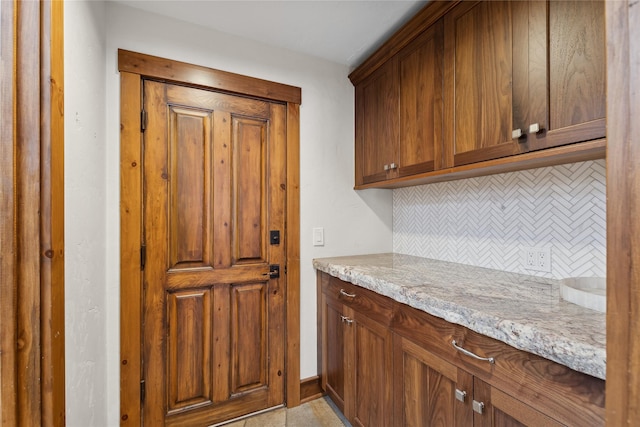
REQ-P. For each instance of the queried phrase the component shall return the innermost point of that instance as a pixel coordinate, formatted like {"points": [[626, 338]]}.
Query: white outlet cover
{"points": [[537, 259]]}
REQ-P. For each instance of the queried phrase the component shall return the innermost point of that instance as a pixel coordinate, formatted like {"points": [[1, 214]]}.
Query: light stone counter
{"points": [[523, 311]]}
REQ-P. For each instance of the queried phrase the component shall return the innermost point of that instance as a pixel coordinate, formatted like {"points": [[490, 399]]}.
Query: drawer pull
{"points": [[516, 134], [478, 407], [346, 294], [468, 353], [346, 319], [461, 395]]}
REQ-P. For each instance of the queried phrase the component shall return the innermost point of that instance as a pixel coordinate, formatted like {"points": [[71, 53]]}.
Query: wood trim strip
{"points": [[578, 152], [412, 29], [165, 69], [28, 188], [293, 257], [8, 260], [623, 205], [130, 242], [310, 389], [52, 214]]}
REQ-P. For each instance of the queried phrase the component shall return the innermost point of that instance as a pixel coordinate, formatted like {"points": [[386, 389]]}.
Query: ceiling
{"points": [[345, 32]]}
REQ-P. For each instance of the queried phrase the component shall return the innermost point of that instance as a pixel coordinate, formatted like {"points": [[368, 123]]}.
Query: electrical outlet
{"points": [[538, 259]]}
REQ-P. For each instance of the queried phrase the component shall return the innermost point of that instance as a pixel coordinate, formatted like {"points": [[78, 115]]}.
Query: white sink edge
{"points": [[587, 292]]}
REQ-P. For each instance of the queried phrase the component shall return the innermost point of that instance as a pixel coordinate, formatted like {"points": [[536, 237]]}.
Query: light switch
{"points": [[318, 236]]}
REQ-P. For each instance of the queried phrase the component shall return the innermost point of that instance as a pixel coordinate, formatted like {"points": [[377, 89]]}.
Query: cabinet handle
{"points": [[393, 166], [461, 395], [468, 353], [346, 294], [386, 167], [535, 128], [346, 319], [516, 134], [478, 406]]}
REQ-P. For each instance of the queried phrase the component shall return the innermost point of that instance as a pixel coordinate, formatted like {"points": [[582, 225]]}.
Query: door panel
{"points": [[213, 318], [248, 341], [248, 143], [189, 349], [190, 240]]}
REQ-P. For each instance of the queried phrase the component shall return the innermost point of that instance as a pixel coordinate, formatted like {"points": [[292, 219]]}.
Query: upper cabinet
{"points": [[483, 87], [399, 112]]}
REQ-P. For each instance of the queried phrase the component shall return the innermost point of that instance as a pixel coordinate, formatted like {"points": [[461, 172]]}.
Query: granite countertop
{"points": [[523, 311]]}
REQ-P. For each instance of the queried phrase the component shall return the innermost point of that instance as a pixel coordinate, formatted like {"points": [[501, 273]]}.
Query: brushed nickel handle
{"points": [[346, 319], [535, 128], [346, 294], [393, 166], [478, 406], [468, 353], [516, 134], [461, 395], [386, 167]]}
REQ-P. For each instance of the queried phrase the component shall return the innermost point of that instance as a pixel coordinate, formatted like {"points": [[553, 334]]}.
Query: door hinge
{"points": [[143, 256], [143, 120], [143, 391]]}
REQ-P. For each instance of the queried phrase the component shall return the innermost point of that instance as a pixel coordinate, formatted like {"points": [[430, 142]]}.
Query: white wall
{"points": [[354, 222], [85, 204]]}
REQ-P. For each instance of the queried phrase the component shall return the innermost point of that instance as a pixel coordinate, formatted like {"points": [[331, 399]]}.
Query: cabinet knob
{"points": [[346, 320], [393, 166], [535, 128], [461, 395], [386, 167], [516, 134], [478, 407]]}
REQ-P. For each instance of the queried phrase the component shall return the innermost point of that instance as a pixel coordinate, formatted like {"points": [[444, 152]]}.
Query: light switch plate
{"points": [[318, 236]]}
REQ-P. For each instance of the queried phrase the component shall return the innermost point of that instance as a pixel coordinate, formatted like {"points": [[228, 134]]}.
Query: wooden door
{"points": [[576, 73], [333, 353], [425, 389], [503, 410], [420, 67], [371, 370], [483, 43], [377, 125], [214, 174]]}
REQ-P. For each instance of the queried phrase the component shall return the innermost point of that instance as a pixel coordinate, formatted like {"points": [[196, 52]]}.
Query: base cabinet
{"points": [[357, 361], [386, 364]]}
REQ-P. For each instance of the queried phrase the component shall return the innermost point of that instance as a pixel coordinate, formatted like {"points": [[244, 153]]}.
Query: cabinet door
{"points": [[333, 355], [377, 125], [425, 389], [576, 73], [482, 85], [502, 410], [373, 368], [420, 65]]}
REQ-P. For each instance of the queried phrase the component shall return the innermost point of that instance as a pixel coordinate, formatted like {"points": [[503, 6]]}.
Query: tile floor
{"points": [[320, 412]]}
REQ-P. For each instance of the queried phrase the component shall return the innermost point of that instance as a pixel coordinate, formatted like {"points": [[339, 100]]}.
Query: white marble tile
{"points": [[523, 311]]}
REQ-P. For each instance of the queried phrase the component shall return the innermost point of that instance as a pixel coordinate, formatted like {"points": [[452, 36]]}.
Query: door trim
{"points": [[133, 67]]}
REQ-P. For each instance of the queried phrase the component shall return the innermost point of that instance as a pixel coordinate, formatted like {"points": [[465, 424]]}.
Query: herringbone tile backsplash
{"points": [[487, 221]]}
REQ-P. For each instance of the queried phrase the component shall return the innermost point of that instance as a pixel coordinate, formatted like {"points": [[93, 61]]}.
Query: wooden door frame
{"points": [[32, 376], [133, 68]]}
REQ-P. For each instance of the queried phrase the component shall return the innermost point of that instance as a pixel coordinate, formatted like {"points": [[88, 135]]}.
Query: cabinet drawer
{"points": [[377, 307]]}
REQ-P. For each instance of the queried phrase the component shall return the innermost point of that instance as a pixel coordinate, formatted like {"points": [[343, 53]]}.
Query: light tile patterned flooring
{"points": [[318, 413]]}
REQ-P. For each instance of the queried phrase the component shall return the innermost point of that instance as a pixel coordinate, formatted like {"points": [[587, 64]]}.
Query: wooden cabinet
{"points": [[357, 352], [523, 76], [426, 386], [399, 111], [384, 363], [460, 89]]}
